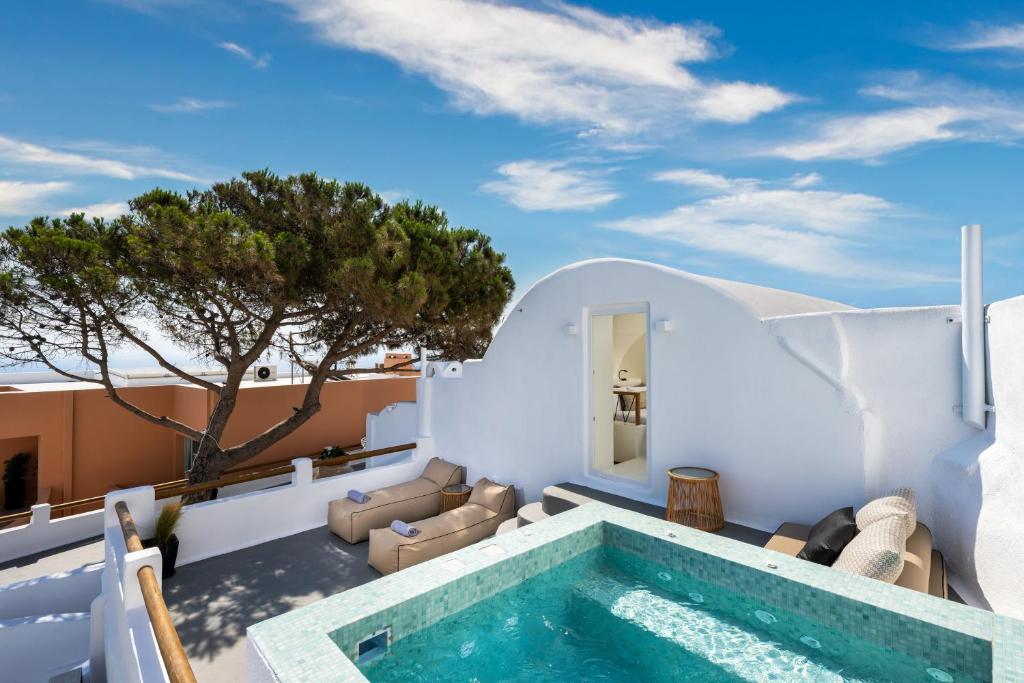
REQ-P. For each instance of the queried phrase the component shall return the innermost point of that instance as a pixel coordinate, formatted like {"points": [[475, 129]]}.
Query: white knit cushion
{"points": [[899, 503], [877, 551]]}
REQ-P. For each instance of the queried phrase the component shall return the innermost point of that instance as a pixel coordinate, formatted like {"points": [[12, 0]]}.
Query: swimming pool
{"points": [[610, 615], [604, 593]]}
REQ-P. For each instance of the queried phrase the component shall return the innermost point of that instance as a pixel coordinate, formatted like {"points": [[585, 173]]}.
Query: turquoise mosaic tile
{"points": [[315, 643]]}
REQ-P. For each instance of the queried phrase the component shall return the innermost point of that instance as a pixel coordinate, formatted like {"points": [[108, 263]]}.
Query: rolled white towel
{"points": [[407, 530], [358, 496]]}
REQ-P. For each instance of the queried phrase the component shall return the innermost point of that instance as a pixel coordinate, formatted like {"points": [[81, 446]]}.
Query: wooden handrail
{"points": [[179, 670], [351, 457], [170, 489], [218, 483], [246, 468], [276, 471]]}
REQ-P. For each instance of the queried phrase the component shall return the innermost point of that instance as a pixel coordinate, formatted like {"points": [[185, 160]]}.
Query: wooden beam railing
{"points": [[278, 470], [170, 489], [171, 651]]}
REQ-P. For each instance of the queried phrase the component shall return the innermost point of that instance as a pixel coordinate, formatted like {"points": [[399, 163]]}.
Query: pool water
{"points": [[610, 615]]}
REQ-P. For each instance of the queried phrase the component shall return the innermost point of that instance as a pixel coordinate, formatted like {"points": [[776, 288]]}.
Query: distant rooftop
{"points": [[140, 377]]}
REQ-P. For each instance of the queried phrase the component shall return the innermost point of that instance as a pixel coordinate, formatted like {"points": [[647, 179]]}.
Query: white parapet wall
{"points": [[979, 524], [34, 648], [43, 533], [124, 648]]}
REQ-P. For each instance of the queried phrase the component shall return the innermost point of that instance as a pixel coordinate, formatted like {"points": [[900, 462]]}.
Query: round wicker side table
{"points": [[454, 496], [693, 498]]}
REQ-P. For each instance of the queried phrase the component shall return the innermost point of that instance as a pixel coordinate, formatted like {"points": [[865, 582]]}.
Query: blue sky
{"points": [[818, 147]]}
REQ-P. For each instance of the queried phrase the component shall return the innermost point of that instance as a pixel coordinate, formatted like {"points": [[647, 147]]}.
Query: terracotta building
{"points": [[83, 445]]}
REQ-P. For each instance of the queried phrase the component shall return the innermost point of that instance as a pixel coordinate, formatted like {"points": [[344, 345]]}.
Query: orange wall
{"points": [[87, 445], [340, 422]]}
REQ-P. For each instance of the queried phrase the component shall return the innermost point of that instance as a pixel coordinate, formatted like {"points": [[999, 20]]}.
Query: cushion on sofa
{"points": [[410, 501], [877, 551], [489, 494], [829, 536], [442, 472], [438, 535], [900, 502]]}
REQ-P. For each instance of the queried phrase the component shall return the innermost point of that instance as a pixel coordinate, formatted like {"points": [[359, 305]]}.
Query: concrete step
{"points": [[507, 526], [528, 514], [558, 499], [73, 676]]}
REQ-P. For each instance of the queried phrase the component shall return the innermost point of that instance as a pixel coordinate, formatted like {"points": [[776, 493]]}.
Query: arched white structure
{"points": [[803, 405]]}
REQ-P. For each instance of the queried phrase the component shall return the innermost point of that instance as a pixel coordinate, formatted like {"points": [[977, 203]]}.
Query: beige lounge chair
{"points": [[409, 501], [488, 506], [923, 567]]}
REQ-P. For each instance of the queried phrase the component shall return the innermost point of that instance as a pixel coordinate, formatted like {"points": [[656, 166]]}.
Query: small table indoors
{"points": [[693, 498], [626, 406], [454, 496]]}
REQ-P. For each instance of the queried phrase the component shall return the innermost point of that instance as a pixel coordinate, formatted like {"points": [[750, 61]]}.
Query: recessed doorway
{"points": [[618, 394]]}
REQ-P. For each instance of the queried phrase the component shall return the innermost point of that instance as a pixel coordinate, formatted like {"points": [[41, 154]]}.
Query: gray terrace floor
{"points": [[65, 558], [213, 601]]}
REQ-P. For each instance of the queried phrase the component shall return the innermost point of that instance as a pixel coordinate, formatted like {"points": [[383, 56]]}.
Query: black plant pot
{"points": [[14, 494], [168, 554]]}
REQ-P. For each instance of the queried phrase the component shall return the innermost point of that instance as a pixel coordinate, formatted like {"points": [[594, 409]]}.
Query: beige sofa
{"points": [[488, 506], [923, 568], [408, 502]]}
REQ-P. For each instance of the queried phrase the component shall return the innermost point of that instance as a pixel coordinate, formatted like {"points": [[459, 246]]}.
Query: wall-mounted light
{"points": [[570, 329], [665, 325]]}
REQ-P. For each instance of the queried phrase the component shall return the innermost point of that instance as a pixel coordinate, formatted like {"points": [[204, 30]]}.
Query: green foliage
{"points": [[16, 467], [313, 271], [329, 452], [166, 523], [327, 259]]}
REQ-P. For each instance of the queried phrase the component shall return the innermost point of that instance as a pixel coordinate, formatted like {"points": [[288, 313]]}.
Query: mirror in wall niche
{"points": [[619, 399]]}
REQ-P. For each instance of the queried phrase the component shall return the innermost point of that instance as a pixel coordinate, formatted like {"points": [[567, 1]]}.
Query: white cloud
{"points": [[809, 231], [875, 135], [534, 185], [105, 210], [987, 37], [394, 196], [556, 63], [702, 180], [29, 154], [802, 180], [19, 198], [188, 105], [932, 110], [257, 62]]}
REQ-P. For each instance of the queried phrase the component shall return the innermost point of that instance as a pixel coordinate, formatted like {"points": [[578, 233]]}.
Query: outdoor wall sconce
{"points": [[570, 329], [665, 325]]}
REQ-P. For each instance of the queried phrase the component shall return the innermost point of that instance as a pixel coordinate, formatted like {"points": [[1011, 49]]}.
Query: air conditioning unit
{"points": [[265, 373]]}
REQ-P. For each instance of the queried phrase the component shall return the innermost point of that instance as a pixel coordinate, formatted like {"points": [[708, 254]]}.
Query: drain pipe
{"points": [[972, 313]]}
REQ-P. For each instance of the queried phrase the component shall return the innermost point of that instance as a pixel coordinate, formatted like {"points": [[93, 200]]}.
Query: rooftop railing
{"points": [[176, 663], [180, 487]]}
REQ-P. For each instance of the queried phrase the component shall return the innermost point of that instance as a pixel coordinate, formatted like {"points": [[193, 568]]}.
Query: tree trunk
{"points": [[209, 464]]}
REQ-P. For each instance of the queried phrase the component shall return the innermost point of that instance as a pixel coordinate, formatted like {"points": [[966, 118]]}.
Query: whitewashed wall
{"points": [[978, 484], [43, 533], [800, 414], [32, 649], [123, 645]]}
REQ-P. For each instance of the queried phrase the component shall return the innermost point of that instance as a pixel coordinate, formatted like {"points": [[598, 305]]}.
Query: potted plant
{"points": [[15, 474], [164, 538], [327, 453]]}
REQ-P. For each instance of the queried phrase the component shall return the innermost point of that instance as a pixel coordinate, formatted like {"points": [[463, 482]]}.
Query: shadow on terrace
{"points": [[213, 601]]}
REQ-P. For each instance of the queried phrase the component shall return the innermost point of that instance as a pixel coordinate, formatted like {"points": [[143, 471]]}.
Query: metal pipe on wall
{"points": [[972, 312]]}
